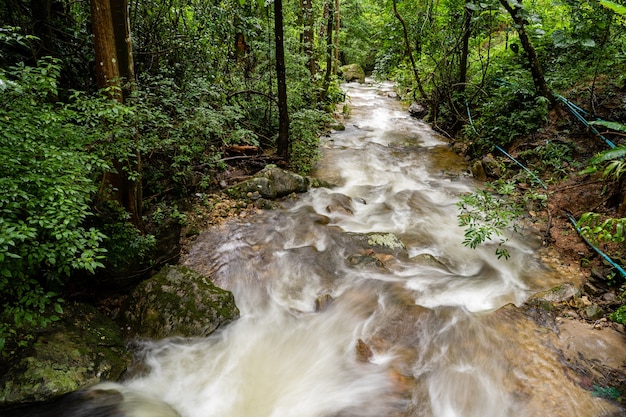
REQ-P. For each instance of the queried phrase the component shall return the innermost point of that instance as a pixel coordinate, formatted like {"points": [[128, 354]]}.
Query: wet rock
{"points": [[363, 351], [270, 183], [178, 302], [352, 72], [338, 126], [340, 203], [486, 168], [334, 208], [317, 183], [478, 171], [374, 244], [364, 260], [427, 259], [418, 110], [80, 350], [322, 302], [102, 400], [562, 293]]}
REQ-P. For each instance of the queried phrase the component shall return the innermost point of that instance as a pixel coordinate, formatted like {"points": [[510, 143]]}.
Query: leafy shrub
{"points": [[598, 229], [490, 213], [305, 127], [46, 186], [619, 315], [510, 112]]}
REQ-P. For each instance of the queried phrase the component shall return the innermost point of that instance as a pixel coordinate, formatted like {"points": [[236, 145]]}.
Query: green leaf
{"points": [[609, 125], [617, 8]]}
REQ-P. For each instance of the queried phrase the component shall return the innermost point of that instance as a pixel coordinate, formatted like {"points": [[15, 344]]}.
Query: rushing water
{"points": [[329, 328]]}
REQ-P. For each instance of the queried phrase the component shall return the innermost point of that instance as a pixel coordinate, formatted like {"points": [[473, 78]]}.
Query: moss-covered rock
{"points": [[82, 349], [270, 183], [376, 244], [178, 302], [353, 72]]}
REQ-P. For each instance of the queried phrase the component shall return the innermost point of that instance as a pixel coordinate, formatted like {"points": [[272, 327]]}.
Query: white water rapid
{"points": [[395, 332]]}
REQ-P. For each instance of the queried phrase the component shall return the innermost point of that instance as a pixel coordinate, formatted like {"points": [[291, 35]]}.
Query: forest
{"points": [[117, 114]]}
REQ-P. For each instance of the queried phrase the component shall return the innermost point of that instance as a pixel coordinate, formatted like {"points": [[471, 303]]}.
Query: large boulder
{"points": [[178, 302], [82, 349], [353, 72], [273, 182]]}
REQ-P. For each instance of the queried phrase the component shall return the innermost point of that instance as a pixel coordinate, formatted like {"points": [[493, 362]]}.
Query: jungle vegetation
{"points": [[112, 110]]}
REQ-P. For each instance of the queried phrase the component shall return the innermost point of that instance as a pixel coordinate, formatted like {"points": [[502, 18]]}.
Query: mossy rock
{"points": [[353, 72], [178, 302], [270, 183], [82, 349], [381, 243]]}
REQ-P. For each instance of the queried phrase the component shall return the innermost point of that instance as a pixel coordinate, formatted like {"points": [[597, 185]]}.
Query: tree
{"points": [[409, 50], [336, 39], [115, 74], [282, 144], [541, 87], [308, 35]]}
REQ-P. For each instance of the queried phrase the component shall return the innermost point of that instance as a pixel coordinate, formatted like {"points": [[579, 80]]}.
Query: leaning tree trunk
{"points": [[541, 87], [282, 144], [114, 68]]}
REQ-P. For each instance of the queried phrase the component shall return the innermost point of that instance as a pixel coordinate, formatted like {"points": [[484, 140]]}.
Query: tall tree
{"points": [[541, 87], [467, 32], [336, 39], [409, 50], [114, 71], [282, 144], [308, 40]]}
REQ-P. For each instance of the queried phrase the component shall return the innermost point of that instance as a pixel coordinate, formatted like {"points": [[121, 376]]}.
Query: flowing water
{"points": [[336, 321]]}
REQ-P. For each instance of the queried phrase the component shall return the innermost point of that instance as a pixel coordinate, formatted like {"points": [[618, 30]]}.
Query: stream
{"points": [[361, 300]]}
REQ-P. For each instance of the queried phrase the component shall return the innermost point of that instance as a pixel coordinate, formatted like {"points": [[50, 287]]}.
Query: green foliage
{"points": [[553, 157], [488, 214], [597, 228], [610, 162], [510, 112], [617, 8], [46, 187], [306, 127], [125, 244], [619, 315]]}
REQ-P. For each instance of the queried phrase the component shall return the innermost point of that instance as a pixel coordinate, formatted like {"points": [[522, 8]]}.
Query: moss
{"points": [[178, 302], [388, 240], [82, 349]]}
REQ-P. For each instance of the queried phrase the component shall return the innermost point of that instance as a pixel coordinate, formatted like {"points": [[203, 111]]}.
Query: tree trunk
{"points": [[282, 145], [541, 87], [107, 68], [336, 39], [329, 49], [123, 44], [409, 51], [308, 35], [467, 33], [114, 64], [42, 26]]}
